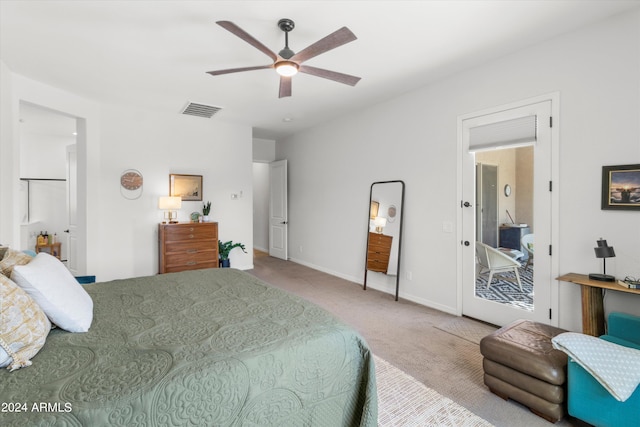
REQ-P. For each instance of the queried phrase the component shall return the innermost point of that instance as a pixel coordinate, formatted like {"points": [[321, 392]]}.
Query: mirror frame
{"points": [[366, 256]]}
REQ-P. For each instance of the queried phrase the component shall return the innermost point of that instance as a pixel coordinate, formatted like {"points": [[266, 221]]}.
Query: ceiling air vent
{"points": [[200, 110]]}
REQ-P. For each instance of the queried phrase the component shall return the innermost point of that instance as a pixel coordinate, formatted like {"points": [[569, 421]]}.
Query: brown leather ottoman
{"points": [[521, 364]]}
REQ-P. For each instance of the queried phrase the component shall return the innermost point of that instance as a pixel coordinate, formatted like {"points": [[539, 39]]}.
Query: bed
{"points": [[214, 347]]}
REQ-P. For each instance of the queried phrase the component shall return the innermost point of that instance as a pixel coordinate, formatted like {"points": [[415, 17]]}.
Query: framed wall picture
{"points": [[621, 187], [373, 211], [188, 187]]}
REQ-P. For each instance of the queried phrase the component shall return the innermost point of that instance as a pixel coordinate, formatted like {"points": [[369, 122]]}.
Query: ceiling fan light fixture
{"points": [[287, 68]]}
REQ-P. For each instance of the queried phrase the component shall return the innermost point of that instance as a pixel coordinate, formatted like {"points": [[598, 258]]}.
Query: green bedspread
{"points": [[212, 347]]}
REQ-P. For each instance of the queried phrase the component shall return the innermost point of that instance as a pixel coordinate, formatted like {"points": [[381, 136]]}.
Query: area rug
{"points": [[466, 328], [504, 288], [404, 401]]}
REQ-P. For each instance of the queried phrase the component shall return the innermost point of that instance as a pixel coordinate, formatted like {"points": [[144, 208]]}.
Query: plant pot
{"points": [[206, 218], [225, 263]]}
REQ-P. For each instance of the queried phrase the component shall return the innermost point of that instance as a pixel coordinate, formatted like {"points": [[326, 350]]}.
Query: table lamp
{"points": [[169, 204], [380, 222], [603, 251]]}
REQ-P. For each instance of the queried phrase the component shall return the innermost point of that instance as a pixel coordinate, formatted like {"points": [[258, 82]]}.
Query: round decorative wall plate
{"points": [[507, 190], [391, 212], [131, 181]]}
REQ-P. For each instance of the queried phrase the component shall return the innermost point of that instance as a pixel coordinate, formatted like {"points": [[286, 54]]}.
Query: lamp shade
{"points": [[380, 221], [603, 250], [168, 202]]}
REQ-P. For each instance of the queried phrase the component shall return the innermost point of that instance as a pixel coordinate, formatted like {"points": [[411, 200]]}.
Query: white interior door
{"points": [[278, 218], [485, 309], [72, 210]]}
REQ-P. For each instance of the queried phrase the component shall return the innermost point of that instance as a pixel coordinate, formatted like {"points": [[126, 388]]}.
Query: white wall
{"points": [[121, 233], [157, 145], [414, 138]]}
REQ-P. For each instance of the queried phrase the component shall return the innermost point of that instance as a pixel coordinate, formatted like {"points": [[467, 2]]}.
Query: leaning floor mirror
{"points": [[384, 233]]}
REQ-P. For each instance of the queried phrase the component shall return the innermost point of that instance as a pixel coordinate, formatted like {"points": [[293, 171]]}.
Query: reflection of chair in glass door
{"points": [[527, 244], [495, 262]]}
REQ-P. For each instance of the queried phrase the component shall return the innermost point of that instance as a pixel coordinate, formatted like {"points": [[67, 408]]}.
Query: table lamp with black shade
{"points": [[603, 251]]}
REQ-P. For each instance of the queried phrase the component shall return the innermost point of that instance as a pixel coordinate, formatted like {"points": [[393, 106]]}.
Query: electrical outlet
{"points": [[408, 275], [300, 248]]}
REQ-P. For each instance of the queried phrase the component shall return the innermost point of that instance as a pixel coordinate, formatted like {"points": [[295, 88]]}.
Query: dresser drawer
{"points": [[379, 249], [187, 233], [190, 266], [378, 265], [193, 259], [380, 239], [190, 247]]}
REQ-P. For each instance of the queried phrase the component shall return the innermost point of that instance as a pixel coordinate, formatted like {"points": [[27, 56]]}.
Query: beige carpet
{"points": [[403, 401], [468, 329]]}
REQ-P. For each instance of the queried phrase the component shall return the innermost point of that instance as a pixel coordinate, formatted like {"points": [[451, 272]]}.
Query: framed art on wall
{"points": [[621, 187], [188, 187]]}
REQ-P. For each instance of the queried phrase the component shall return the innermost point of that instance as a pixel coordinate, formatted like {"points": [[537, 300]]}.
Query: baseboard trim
{"points": [[359, 281]]}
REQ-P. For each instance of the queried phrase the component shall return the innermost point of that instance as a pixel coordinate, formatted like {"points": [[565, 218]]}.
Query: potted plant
{"points": [[206, 208], [224, 249]]}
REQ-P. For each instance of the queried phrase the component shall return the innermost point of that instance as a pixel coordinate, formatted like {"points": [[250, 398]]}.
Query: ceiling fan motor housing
{"points": [[286, 25]]}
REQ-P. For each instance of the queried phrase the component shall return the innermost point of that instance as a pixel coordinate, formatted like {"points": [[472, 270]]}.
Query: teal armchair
{"points": [[587, 399]]}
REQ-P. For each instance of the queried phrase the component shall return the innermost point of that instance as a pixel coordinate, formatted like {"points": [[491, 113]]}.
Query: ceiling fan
{"points": [[286, 62]]}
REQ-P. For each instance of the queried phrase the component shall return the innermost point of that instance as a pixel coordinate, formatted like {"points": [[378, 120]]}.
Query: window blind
{"points": [[508, 133]]}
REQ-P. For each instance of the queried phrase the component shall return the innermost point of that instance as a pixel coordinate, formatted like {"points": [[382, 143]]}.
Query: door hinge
{"points": [[550, 122], [550, 185], [550, 314], [550, 250]]}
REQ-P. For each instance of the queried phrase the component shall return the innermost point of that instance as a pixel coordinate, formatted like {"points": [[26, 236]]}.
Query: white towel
{"points": [[616, 367]]}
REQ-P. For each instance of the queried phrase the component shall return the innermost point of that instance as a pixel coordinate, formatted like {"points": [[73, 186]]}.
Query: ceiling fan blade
{"points": [[239, 70], [233, 28], [285, 87], [332, 41], [331, 75]]}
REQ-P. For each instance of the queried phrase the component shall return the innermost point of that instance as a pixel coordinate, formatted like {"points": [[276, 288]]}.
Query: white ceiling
{"points": [[154, 54]]}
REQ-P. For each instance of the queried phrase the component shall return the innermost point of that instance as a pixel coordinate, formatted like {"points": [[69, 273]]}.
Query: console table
{"points": [[592, 303]]}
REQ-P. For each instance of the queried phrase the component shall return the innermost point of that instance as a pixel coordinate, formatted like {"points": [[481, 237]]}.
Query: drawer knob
{"points": [[192, 251], [191, 229], [191, 236], [191, 263]]}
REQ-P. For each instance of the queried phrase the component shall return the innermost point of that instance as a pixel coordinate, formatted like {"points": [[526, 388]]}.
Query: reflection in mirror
{"points": [[384, 232]]}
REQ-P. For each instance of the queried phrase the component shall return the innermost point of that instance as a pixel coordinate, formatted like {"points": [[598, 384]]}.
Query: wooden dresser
{"points": [[378, 252], [188, 246]]}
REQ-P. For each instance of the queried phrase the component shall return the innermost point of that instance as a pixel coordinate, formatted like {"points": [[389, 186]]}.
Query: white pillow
{"points": [[57, 292]]}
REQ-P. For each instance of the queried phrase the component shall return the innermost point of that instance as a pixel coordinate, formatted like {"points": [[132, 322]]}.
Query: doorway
{"points": [[497, 129], [487, 204], [44, 138]]}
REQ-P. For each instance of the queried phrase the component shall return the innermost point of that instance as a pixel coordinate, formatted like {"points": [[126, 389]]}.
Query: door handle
{"points": [[465, 204], [466, 243], [284, 222]]}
